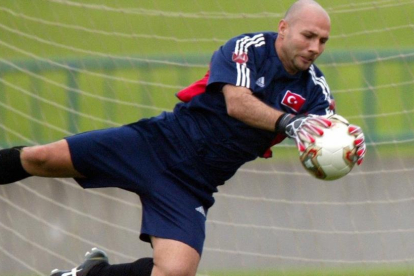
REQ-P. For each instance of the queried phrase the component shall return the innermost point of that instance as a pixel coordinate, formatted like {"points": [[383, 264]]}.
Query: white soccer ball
{"points": [[333, 154]]}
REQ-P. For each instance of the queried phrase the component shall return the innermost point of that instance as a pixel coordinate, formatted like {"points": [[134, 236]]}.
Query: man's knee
{"points": [[173, 269], [34, 157], [174, 258], [51, 160]]}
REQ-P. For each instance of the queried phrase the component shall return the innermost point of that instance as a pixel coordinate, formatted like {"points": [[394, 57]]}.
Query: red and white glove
{"points": [[302, 128], [359, 142]]}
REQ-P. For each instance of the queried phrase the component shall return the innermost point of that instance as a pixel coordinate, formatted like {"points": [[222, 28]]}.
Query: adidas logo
{"points": [[260, 82], [201, 210]]}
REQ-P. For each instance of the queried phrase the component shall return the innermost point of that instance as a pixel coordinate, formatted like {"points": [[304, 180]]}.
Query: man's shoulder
{"points": [[266, 34], [256, 39], [315, 71], [316, 77], [256, 47], [317, 80]]}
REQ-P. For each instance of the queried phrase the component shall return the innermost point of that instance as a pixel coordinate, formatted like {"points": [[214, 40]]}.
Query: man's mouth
{"points": [[306, 60]]}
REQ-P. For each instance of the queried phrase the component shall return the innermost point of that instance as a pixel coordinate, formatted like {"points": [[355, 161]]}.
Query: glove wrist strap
{"points": [[282, 122]]}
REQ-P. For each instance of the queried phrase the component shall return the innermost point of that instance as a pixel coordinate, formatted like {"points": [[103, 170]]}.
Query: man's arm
{"points": [[244, 106]]}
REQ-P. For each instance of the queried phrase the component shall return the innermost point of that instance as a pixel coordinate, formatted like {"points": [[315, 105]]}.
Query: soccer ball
{"points": [[333, 154]]}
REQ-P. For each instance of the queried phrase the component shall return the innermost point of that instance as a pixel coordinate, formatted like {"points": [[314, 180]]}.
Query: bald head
{"points": [[303, 34], [302, 8]]}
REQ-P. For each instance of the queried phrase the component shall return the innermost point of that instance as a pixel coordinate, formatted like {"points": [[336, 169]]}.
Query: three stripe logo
{"points": [[240, 57]]}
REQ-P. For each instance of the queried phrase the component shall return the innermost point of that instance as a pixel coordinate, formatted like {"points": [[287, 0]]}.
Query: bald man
{"points": [[261, 88], [303, 34]]}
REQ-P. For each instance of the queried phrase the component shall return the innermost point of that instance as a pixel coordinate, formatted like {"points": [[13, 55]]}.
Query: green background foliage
{"points": [[131, 57]]}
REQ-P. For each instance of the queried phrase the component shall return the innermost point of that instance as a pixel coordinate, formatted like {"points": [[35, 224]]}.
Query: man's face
{"points": [[304, 40]]}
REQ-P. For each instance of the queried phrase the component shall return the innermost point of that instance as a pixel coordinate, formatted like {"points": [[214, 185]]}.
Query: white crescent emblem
{"points": [[292, 100]]}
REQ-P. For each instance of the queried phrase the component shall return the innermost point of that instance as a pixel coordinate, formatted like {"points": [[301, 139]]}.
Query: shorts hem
{"points": [[146, 237]]}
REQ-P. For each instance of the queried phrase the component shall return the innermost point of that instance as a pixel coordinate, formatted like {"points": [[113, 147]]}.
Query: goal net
{"points": [[68, 66]]}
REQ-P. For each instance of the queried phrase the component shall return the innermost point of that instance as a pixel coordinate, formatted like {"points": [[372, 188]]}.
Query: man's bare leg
{"points": [[50, 160], [174, 258], [170, 258]]}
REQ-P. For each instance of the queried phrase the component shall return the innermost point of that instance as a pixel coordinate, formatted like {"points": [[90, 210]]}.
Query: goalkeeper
{"points": [[261, 87]]}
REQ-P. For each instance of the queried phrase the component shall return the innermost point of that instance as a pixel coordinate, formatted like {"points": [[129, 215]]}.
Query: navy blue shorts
{"points": [[150, 159]]}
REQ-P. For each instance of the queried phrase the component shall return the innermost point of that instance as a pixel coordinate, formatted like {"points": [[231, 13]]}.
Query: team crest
{"points": [[240, 58], [293, 101]]}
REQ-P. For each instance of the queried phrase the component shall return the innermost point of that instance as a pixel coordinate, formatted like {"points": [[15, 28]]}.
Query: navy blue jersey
{"points": [[251, 61]]}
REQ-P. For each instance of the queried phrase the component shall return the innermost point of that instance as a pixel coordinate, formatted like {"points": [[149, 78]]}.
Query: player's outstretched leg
{"points": [[50, 160], [92, 259]]}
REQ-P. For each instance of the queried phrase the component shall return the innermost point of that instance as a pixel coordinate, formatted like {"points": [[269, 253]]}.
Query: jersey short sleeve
{"points": [[235, 62]]}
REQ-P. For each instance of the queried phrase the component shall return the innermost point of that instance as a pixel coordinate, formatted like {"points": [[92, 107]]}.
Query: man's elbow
{"points": [[232, 110], [235, 100]]}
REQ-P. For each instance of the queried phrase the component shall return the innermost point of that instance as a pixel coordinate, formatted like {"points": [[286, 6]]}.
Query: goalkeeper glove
{"points": [[359, 142], [302, 128]]}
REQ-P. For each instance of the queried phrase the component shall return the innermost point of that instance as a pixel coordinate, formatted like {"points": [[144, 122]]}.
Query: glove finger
{"points": [[300, 145], [313, 129], [354, 130], [360, 160], [338, 117], [359, 140], [319, 120], [361, 151], [361, 154], [305, 136]]}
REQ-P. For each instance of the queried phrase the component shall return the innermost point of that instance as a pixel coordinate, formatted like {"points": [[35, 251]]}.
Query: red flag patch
{"points": [[293, 101]]}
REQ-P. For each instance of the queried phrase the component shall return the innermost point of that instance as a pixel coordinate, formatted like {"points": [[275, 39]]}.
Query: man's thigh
{"points": [[174, 258]]}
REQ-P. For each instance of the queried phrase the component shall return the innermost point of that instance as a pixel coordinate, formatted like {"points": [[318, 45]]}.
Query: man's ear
{"points": [[283, 25]]}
